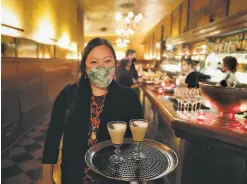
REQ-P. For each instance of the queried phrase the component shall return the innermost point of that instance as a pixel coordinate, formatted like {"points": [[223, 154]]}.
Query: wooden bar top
{"points": [[211, 132]]}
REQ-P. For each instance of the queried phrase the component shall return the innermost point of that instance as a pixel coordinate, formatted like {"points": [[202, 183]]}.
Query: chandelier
{"points": [[130, 21]]}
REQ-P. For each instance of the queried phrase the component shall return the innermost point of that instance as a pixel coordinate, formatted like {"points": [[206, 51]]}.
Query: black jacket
{"points": [[133, 71], [194, 78], [124, 77], [121, 104]]}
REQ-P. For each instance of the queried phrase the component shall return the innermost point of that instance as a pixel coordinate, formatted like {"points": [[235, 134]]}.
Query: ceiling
{"points": [[100, 14]]}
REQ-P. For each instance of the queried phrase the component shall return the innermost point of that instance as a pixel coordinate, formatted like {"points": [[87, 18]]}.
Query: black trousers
{"points": [[73, 173]]}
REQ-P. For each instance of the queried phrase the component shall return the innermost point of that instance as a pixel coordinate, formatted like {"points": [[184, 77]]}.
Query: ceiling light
{"points": [[131, 31], [127, 19], [119, 31], [126, 33], [130, 14], [126, 41], [118, 16], [118, 40]]}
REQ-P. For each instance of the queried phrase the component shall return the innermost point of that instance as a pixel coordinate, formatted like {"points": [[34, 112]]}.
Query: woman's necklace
{"points": [[93, 134]]}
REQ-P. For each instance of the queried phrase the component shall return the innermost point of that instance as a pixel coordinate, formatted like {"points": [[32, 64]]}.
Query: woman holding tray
{"points": [[81, 112]]}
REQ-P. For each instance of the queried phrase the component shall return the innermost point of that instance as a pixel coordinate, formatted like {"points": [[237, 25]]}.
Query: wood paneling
{"points": [[167, 26], [28, 88], [225, 25], [206, 11], [201, 18], [176, 21], [237, 6], [184, 16]]}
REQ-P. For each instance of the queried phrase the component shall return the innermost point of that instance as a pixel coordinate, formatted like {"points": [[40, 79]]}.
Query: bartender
{"points": [[191, 75], [229, 67]]}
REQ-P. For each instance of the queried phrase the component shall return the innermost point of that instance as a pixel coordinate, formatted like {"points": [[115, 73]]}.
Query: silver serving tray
{"points": [[160, 161]]}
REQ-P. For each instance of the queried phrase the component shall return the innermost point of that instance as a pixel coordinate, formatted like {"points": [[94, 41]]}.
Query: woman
{"points": [[190, 77], [229, 68], [124, 77], [81, 112]]}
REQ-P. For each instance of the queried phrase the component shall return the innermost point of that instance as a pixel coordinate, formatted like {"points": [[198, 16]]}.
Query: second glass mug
{"points": [[138, 129]]}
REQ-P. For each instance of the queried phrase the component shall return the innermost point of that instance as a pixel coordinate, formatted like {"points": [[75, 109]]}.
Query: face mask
{"points": [[198, 68], [101, 76]]}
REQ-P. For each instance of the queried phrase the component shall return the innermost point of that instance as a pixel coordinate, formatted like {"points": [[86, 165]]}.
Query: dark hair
{"points": [[189, 61], [90, 46], [130, 52], [124, 62], [231, 63]]}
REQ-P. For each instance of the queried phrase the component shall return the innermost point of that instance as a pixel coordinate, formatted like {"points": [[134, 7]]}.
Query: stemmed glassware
{"points": [[188, 100], [117, 130], [138, 129]]}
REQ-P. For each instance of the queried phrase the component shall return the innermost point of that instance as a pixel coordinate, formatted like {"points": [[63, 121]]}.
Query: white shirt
{"points": [[231, 79]]}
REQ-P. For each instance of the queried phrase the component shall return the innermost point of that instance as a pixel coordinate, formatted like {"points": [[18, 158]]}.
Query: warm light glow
{"points": [[45, 31], [122, 45], [126, 33], [73, 57], [10, 32], [126, 41], [157, 45], [119, 31], [169, 47], [130, 14], [138, 18], [170, 67], [120, 55], [118, 40], [64, 41], [73, 46], [131, 31], [243, 106], [204, 47], [85, 44], [127, 20], [8, 17], [118, 16]]}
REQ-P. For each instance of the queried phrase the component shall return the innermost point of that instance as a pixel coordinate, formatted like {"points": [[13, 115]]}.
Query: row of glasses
{"points": [[189, 102], [117, 130]]}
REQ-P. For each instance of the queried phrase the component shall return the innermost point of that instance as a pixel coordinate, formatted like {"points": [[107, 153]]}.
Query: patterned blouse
{"points": [[96, 109]]}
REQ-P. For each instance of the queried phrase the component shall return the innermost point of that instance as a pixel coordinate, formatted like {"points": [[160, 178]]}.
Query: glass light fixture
{"points": [[130, 14], [118, 16]]}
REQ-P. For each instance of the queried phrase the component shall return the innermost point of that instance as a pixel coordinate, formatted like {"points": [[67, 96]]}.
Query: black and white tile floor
{"points": [[21, 164]]}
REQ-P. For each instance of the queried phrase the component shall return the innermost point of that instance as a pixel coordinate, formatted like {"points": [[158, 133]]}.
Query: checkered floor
{"points": [[21, 164]]}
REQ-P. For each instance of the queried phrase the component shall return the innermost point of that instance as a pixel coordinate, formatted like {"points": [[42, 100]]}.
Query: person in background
{"points": [[229, 67], [124, 76], [81, 112], [197, 68], [131, 54], [191, 77]]}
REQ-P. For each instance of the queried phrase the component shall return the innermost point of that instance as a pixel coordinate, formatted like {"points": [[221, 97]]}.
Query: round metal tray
{"points": [[160, 161]]}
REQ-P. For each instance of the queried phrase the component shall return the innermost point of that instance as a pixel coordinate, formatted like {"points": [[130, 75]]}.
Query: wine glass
{"points": [[138, 129], [117, 130]]}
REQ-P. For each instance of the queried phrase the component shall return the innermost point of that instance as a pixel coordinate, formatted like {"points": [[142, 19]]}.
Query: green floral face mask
{"points": [[101, 76]]}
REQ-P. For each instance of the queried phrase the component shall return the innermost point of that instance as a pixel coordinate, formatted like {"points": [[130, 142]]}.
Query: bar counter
{"points": [[207, 153]]}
